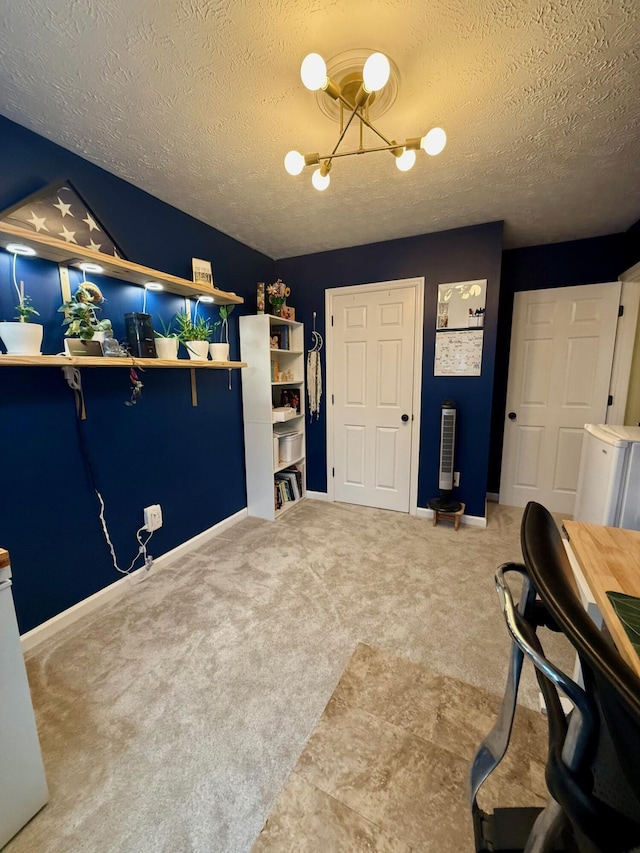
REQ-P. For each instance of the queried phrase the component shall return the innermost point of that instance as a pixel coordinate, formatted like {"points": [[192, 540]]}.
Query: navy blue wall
{"points": [[459, 255], [593, 261], [163, 450]]}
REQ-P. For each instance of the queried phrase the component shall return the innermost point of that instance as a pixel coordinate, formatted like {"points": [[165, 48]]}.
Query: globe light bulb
{"points": [[434, 141], [313, 72], [294, 162], [376, 72], [320, 181], [406, 160]]}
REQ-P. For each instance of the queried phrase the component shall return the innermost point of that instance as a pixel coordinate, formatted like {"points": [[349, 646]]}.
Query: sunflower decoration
{"points": [[81, 318]]}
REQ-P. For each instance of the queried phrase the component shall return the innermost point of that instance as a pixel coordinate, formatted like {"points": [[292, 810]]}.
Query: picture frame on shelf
{"points": [[287, 312], [202, 273]]}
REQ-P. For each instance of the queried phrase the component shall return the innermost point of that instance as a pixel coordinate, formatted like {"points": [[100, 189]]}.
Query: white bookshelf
{"points": [[263, 386]]}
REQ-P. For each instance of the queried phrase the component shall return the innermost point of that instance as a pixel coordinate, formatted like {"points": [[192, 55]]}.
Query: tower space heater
{"points": [[446, 502]]}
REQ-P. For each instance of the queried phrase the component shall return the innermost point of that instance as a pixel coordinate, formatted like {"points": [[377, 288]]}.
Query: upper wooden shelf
{"points": [[71, 255], [91, 361]]}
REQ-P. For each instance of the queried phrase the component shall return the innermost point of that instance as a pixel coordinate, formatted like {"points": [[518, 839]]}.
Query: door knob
{"points": [[512, 416], [405, 418]]}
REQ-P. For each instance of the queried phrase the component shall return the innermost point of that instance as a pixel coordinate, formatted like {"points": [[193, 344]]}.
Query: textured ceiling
{"points": [[197, 102]]}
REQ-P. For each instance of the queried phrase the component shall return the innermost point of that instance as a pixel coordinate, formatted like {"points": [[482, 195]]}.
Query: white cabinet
{"points": [[273, 380]]}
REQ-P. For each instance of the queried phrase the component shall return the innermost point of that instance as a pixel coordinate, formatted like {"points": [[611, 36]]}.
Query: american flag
{"points": [[59, 211]]}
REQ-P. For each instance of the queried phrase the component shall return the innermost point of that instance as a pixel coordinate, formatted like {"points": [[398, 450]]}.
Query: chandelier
{"points": [[355, 93]]}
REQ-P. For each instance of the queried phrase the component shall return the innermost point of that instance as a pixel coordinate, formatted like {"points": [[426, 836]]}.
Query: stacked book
{"points": [[287, 487], [282, 335]]}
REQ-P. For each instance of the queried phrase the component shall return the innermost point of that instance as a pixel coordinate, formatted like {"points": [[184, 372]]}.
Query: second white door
{"points": [[562, 345], [373, 339]]}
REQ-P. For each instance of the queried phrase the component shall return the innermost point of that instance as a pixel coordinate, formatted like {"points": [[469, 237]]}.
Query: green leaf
{"points": [[627, 608]]}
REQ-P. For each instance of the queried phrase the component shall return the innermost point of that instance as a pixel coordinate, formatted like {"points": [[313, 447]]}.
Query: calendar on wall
{"points": [[458, 353]]}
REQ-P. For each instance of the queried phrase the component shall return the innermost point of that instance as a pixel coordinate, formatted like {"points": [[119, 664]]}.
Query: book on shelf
{"points": [[282, 335], [292, 478]]}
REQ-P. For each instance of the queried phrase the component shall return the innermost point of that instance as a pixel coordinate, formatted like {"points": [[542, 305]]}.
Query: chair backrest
{"points": [[612, 684]]}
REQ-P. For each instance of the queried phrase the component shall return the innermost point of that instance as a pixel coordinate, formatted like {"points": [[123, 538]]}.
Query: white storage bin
{"points": [[290, 447]]}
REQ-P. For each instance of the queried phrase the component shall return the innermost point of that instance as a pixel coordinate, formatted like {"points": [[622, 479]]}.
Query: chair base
{"points": [[506, 830]]}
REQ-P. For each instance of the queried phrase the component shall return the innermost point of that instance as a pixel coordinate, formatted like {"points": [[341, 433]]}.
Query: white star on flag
{"points": [[69, 236], [91, 222], [94, 246], [38, 222], [63, 208]]}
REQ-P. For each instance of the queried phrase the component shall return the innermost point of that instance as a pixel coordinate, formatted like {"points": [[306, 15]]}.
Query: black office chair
{"points": [[593, 764]]}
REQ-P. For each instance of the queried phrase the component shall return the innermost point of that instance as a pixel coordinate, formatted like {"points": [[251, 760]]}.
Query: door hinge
{"points": [[332, 319], [620, 310], [610, 400], [333, 472], [333, 400]]}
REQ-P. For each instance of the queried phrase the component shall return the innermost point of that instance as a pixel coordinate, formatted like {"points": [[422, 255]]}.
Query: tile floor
{"points": [[386, 767]]}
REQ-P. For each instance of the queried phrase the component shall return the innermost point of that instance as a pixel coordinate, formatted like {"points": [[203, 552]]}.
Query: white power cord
{"points": [[142, 549]]}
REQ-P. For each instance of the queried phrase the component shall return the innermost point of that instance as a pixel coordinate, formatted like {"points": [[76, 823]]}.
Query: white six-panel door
{"points": [[561, 354], [373, 343]]}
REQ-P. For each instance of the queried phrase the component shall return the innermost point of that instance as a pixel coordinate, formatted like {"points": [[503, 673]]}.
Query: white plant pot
{"points": [[99, 336], [198, 350], [219, 352], [167, 348], [22, 338]]}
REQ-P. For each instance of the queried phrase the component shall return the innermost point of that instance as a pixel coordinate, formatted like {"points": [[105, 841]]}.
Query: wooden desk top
{"points": [[610, 561]]}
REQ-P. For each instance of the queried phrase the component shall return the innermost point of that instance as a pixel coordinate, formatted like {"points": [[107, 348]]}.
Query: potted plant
{"points": [[22, 337], [167, 341], [195, 335], [220, 350], [81, 319]]}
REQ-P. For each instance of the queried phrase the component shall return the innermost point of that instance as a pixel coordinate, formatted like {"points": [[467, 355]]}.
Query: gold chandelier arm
{"points": [[354, 112], [365, 120], [314, 159]]}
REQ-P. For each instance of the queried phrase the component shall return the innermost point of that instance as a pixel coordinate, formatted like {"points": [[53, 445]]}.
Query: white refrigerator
{"points": [[23, 788], [609, 480]]}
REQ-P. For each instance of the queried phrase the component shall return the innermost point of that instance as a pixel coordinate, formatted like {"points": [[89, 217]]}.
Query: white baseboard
{"points": [[317, 496], [470, 520], [47, 629]]}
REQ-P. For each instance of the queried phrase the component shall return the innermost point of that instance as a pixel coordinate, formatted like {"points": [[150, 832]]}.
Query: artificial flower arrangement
{"points": [[278, 292]]}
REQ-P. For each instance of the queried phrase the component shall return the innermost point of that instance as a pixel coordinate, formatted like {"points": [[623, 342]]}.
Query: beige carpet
{"points": [[171, 719], [386, 768]]}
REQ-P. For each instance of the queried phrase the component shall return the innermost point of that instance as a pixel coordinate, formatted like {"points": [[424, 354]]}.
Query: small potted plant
{"points": [[81, 319], [195, 335], [22, 337], [220, 350], [167, 341]]}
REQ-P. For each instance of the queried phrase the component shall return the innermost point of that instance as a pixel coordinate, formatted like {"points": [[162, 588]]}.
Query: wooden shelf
{"points": [[70, 255], [90, 361]]}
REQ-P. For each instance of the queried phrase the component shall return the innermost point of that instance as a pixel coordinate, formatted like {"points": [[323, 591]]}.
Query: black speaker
{"points": [[140, 337]]}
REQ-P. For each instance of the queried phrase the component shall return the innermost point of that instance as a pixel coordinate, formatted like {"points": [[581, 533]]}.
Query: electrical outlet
{"points": [[456, 478], [153, 517]]}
